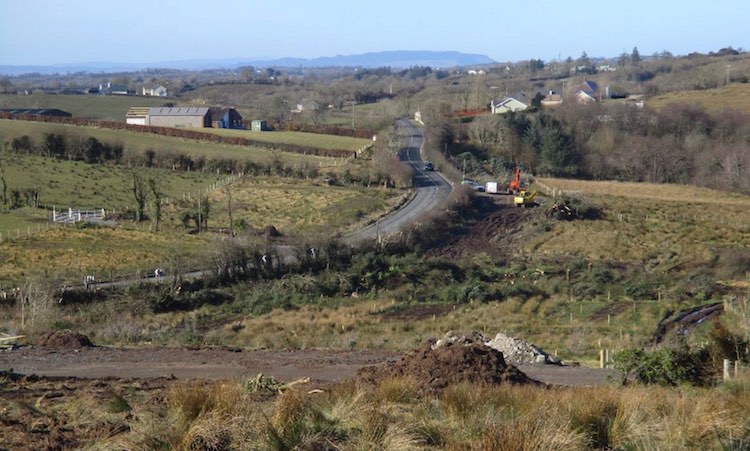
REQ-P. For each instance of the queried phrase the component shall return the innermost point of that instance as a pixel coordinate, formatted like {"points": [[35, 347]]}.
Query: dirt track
{"points": [[323, 366]]}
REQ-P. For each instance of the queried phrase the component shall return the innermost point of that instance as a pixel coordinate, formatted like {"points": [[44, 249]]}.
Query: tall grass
{"points": [[223, 415]]}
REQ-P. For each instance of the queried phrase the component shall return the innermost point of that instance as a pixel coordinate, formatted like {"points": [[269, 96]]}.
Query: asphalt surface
{"points": [[431, 190]]}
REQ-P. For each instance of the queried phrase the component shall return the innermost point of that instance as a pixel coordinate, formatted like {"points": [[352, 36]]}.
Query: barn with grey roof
{"points": [[184, 117]]}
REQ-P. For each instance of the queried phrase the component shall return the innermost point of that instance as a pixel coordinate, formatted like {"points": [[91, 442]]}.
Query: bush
{"points": [[665, 366]]}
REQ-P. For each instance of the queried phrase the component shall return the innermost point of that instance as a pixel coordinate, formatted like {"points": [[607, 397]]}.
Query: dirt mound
{"points": [[64, 339], [497, 233], [439, 365], [515, 351]]}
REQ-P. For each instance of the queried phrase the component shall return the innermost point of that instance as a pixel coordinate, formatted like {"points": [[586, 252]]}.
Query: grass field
{"points": [[735, 96], [315, 140], [293, 206], [139, 142], [67, 254], [79, 185], [300, 207], [111, 108], [662, 226]]}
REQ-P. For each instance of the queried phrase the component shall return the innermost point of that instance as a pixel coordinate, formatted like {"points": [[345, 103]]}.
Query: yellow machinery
{"points": [[524, 199]]}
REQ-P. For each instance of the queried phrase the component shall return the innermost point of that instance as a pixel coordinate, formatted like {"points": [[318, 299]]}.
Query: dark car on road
{"points": [[428, 166]]}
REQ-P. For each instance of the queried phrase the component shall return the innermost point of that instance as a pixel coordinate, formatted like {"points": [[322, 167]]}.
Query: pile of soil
{"points": [[64, 339], [498, 232], [438, 367]]}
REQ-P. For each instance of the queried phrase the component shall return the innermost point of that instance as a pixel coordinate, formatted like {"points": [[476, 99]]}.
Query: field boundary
{"points": [[186, 134]]}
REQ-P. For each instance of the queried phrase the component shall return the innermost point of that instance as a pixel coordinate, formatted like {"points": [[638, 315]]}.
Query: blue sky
{"points": [[73, 31]]}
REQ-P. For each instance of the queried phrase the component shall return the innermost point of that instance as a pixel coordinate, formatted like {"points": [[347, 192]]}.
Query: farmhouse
{"points": [[586, 92], [35, 112], [156, 91], [511, 103]]}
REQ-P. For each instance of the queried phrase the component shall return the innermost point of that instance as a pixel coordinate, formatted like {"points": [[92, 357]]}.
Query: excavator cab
{"points": [[524, 199]]}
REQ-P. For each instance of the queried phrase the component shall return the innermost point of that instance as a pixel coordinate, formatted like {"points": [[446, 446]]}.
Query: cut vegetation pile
{"points": [[437, 364]]}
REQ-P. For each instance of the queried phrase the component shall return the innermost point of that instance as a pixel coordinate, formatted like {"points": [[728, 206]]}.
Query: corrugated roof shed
{"points": [[178, 111], [138, 111]]}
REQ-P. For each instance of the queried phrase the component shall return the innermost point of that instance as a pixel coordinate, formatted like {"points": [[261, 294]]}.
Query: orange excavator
{"points": [[515, 185]]}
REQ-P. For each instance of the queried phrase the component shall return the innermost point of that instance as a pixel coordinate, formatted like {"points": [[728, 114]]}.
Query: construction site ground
{"points": [[64, 367]]}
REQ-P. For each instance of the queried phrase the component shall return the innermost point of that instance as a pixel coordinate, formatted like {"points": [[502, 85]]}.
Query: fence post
{"points": [[727, 369]]}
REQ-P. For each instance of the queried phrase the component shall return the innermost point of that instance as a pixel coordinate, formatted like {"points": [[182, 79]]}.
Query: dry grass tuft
{"points": [[290, 409], [398, 389], [542, 431]]}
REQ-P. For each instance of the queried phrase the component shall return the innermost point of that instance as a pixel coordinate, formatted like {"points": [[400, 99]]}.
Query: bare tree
{"points": [[5, 84], [2, 173], [157, 195], [228, 191], [36, 302], [139, 193]]}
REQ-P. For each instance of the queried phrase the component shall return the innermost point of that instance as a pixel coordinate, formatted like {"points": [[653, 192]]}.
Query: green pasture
{"points": [[140, 142], [111, 108], [30, 244], [315, 140], [79, 185], [299, 207], [66, 254], [735, 96]]}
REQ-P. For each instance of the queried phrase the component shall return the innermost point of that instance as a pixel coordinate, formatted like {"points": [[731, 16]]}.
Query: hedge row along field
{"points": [[186, 134]]}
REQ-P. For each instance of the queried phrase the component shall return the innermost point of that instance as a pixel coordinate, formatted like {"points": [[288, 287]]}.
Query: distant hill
{"points": [[394, 59]]}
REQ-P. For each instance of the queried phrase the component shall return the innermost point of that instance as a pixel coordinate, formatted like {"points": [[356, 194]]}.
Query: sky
{"points": [[47, 32]]}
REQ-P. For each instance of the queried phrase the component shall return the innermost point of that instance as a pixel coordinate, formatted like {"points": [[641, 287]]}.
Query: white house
{"points": [[506, 105], [157, 91]]}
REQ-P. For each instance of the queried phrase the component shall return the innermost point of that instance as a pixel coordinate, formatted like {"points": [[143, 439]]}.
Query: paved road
{"points": [[431, 189]]}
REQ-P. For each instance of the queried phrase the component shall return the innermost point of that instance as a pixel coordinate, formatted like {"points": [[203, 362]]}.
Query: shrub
{"points": [[665, 366]]}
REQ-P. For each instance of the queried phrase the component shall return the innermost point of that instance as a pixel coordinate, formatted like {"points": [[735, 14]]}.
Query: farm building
{"points": [[110, 89], [137, 115], [185, 117], [35, 112], [179, 117], [225, 118], [259, 126]]}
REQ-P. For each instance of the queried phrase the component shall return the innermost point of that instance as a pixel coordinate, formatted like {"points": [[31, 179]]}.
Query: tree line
{"points": [[680, 143]]}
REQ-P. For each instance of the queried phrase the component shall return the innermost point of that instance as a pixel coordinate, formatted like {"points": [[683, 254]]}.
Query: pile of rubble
{"points": [[514, 350]]}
